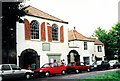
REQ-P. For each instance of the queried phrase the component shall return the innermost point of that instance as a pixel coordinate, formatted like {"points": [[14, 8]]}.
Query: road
{"points": [[72, 76]]}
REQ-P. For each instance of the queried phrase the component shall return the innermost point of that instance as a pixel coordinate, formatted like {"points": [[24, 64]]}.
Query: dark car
{"points": [[116, 65], [103, 66], [77, 67], [51, 69]]}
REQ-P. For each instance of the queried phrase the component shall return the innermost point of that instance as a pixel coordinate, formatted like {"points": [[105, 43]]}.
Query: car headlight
{"points": [[41, 71]]}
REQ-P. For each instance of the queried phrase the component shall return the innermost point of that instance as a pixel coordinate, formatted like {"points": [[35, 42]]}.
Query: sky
{"points": [[85, 15]]}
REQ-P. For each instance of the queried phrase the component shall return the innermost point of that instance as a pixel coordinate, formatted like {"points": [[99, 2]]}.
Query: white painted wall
{"points": [[100, 54], [80, 49]]}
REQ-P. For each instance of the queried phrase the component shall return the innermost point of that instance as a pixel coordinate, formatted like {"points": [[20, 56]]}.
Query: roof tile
{"points": [[36, 12]]}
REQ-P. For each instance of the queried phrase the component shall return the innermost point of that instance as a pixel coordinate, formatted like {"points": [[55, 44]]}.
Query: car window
{"points": [[78, 64], [99, 62], [71, 64], [15, 67], [60, 64], [54, 65], [82, 63], [6, 67], [46, 65]]}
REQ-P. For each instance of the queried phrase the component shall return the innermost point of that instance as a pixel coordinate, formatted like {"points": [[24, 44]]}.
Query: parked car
{"points": [[103, 65], [77, 67], [116, 65], [51, 69], [95, 64], [9, 71], [112, 62]]}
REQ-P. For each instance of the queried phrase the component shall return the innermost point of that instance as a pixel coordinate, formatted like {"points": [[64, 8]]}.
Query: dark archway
{"points": [[28, 57], [73, 56]]}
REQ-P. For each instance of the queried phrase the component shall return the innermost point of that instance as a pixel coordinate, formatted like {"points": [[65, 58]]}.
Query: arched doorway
{"points": [[73, 56], [28, 57]]}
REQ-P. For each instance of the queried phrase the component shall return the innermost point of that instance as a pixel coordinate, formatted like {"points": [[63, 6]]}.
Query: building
{"points": [[41, 38], [84, 49], [38, 37], [99, 49]]}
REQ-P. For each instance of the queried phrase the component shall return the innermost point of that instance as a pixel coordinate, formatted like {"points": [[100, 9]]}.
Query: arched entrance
{"points": [[28, 57], [73, 56]]}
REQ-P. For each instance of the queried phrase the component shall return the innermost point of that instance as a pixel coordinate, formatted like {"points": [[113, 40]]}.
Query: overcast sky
{"points": [[85, 15]]}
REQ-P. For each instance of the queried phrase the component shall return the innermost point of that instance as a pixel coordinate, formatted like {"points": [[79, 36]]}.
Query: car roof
{"points": [[7, 64]]}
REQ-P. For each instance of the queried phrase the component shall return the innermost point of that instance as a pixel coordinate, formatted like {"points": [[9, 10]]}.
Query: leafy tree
{"points": [[115, 32], [10, 14], [111, 40], [104, 37]]}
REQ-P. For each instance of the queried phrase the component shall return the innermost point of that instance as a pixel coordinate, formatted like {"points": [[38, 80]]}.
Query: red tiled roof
{"points": [[97, 42], [74, 35], [29, 10]]}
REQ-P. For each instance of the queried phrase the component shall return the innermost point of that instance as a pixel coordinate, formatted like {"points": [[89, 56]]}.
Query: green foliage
{"points": [[111, 40], [113, 76]]}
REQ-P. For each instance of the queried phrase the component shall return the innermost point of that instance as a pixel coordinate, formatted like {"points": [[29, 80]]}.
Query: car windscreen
{"points": [[99, 62], [46, 65], [71, 64]]}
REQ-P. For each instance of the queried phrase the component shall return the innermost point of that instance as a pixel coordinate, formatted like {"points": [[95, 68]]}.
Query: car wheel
{"points": [[1, 78], [27, 76], [88, 69], [76, 71], [63, 72], [47, 74]]}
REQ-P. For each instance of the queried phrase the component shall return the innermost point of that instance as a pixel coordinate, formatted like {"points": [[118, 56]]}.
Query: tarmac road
{"points": [[72, 77]]}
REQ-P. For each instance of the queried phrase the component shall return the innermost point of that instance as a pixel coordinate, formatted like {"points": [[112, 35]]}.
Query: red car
{"points": [[50, 69], [77, 67]]}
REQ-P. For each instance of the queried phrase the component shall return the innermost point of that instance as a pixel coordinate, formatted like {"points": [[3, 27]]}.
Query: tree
{"points": [[115, 32], [111, 40], [10, 14]]}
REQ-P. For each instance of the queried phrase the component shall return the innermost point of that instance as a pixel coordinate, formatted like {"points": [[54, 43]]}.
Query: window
{"points": [[99, 49], [34, 28], [46, 46], [78, 64], [15, 67], [54, 65], [86, 60], [55, 32], [6, 67], [85, 45]]}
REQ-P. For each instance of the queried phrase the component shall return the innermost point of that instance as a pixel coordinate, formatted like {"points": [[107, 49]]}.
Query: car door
{"points": [[54, 68], [7, 71], [17, 73], [83, 66], [61, 67]]}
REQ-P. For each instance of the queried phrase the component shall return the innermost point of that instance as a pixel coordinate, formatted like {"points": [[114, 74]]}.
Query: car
{"points": [[95, 64], [112, 62], [116, 65], [50, 69], [12, 71], [104, 65], [77, 67]]}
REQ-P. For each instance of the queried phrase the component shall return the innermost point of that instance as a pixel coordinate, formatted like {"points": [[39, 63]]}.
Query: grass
{"points": [[113, 76]]}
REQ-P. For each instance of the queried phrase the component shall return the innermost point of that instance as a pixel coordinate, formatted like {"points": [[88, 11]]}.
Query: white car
{"points": [[8, 71], [112, 62]]}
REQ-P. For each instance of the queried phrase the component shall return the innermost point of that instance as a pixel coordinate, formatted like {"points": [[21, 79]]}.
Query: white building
{"points": [[99, 50], [41, 38], [84, 49]]}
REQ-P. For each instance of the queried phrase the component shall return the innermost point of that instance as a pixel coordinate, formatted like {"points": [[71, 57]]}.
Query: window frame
{"points": [[35, 30], [85, 46], [55, 32], [4, 69], [99, 48]]}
